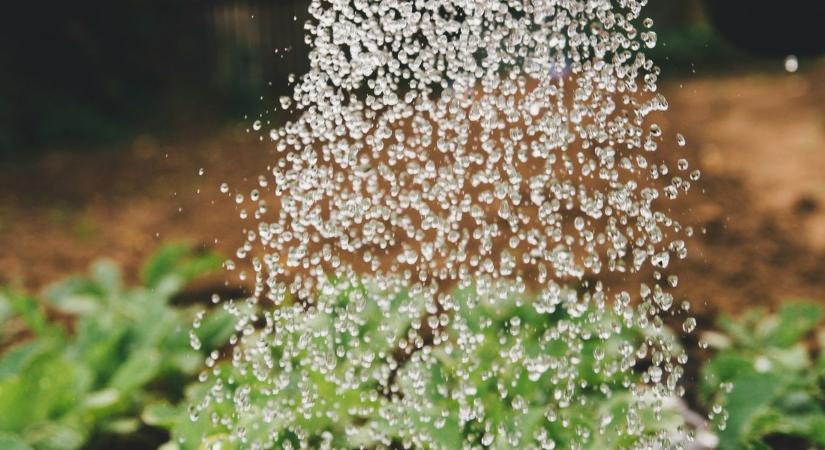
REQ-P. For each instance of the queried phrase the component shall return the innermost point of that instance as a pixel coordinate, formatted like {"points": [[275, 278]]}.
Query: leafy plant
{"points": [[128, 346], [415, 397], [557, 375], [324, 403], [769, 372]]}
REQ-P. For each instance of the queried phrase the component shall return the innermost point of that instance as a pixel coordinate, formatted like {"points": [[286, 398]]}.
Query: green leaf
{"points": [[448, 436], [98, 342], [56, 436], [807, 426], [161, 414], [46, 389], [10, 441], [73, 286], [794, 358], [751, 394], [187, 362], [14, 410], [216, 329], [724, 367], [792, 322], [31, 311], [139, 369], [176, 264], [77, 304], [123, 425], [107, 276], [741, 330], [101, 400], [797, 400], [155, 323], [19, 357]]}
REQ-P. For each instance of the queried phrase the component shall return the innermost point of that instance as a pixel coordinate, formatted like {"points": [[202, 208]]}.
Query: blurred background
{"points": [[108, 111], [119, 120]]}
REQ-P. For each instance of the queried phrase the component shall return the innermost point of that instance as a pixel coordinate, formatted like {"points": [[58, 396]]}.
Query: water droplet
{"points": [[689, 325], [286, 102], [791, 63]]}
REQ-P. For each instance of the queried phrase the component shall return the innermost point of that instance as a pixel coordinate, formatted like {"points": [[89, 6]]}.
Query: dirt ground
{"points": [[758, 136]]}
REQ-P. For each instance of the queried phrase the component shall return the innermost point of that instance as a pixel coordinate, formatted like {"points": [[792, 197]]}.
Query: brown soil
{"points": [[759, 139]]}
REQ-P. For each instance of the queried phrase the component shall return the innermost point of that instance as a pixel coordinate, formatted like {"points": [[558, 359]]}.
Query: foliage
{"points": [[127, 363], [128, 346], [298, 402], [770, 375]]}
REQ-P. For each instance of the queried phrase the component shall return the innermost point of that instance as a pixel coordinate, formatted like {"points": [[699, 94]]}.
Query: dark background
{"points": [[86, 74], [96, 72]]}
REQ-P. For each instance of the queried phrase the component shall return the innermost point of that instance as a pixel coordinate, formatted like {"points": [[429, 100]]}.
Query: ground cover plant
{"points": [[769, 373], [122, 361], [61, 389], [93, 363], [528, 381]]}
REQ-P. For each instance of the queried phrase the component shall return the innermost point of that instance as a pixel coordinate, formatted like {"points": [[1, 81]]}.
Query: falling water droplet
{"points": [[791, 63], [689, 325]]}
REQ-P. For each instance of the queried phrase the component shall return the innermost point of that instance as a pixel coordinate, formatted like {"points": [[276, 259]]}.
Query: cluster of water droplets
{"points": [[428, 246]]}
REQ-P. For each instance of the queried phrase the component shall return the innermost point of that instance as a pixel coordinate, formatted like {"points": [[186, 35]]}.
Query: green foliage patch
{"points": [[128, 347], [769, 373], [127, 363], [571, 393]]}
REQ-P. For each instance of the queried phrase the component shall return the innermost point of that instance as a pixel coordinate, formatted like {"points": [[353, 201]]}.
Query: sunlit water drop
{"points": [[791, 63]]}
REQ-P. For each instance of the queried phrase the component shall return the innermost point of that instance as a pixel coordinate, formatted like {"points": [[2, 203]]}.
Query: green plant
{"points": [[769, 372], [127, 347], [554, 377], [369, 369]]}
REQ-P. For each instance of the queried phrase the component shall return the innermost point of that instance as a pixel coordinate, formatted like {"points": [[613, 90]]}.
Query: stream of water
{"points": [[463, 239]]}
